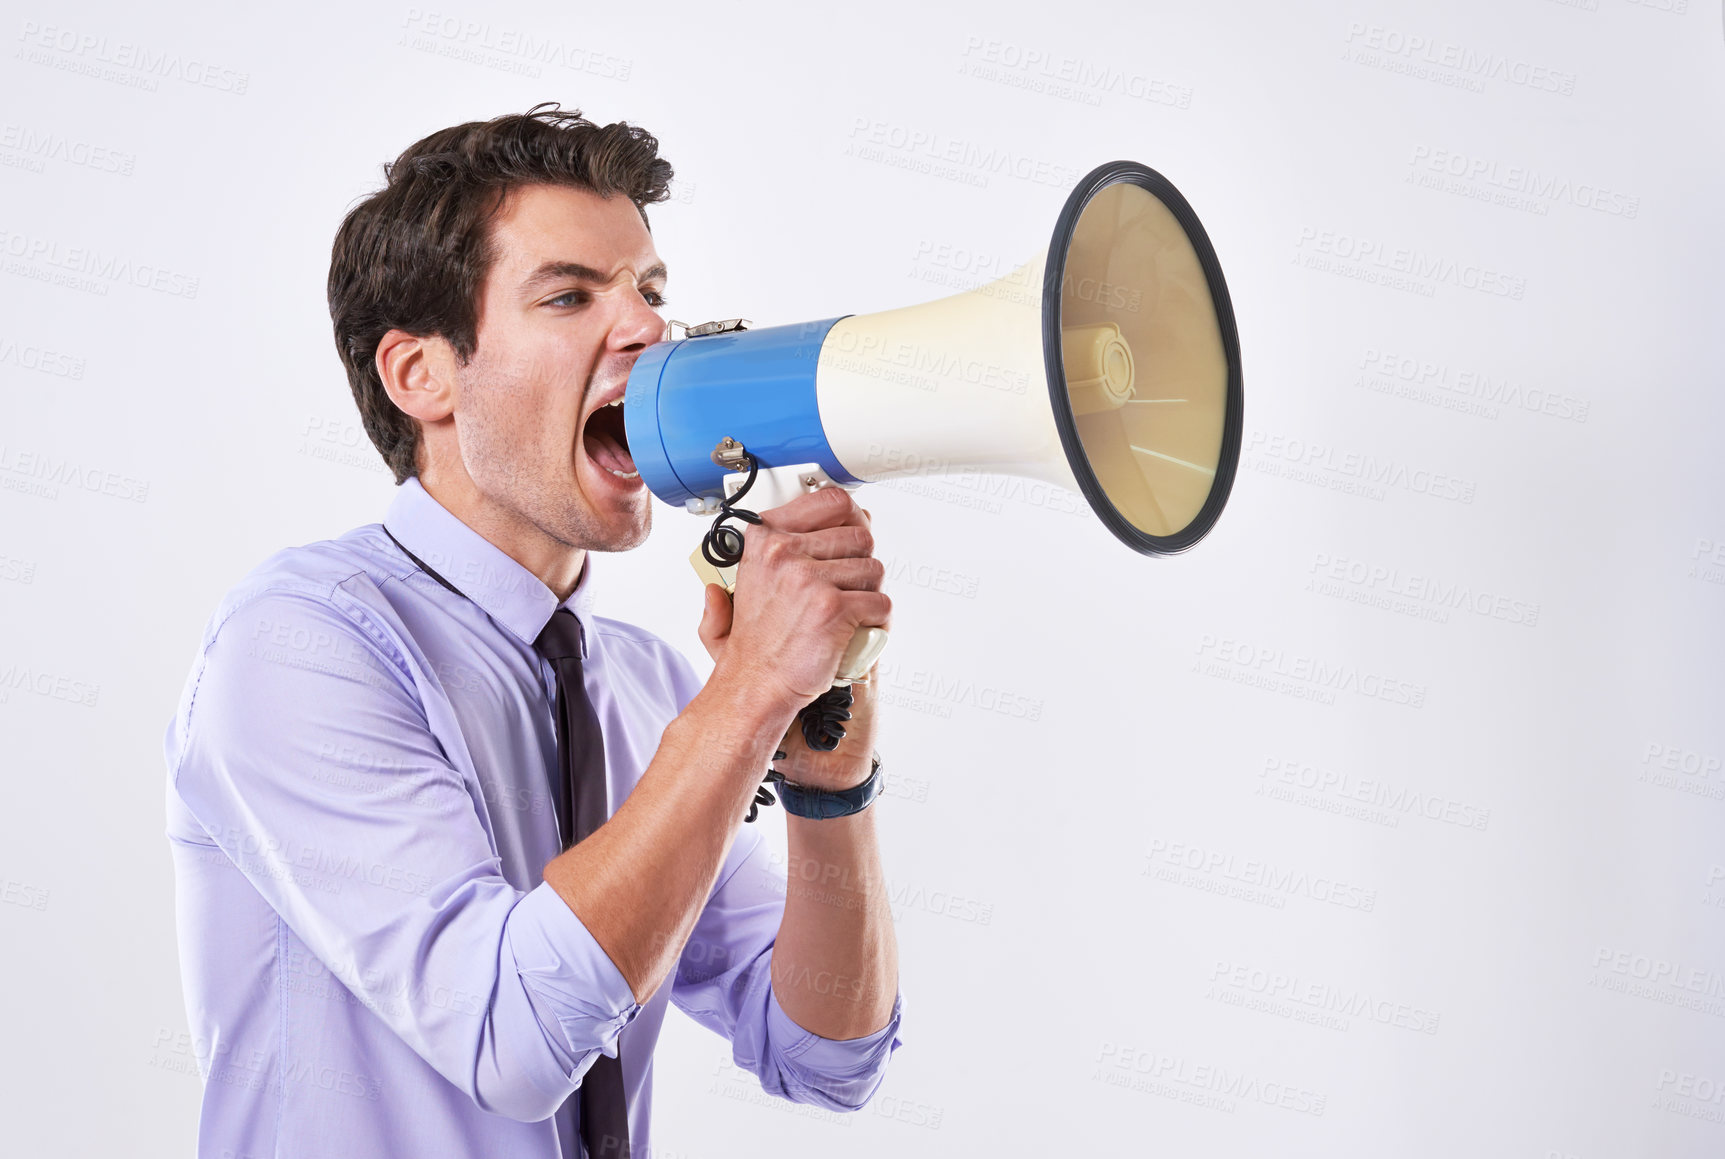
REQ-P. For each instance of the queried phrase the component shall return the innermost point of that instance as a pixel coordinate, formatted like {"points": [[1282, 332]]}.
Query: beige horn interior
{"points": [[1144, 359]]}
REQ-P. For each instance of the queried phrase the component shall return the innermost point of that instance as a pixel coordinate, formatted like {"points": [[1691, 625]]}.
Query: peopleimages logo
{"points": [[1467, 389], [1400, 266], [1251, 878], [1513, 186], [1350, 472], [125, 62], [459, 38], [1066, 77], [1446, 62], [39, 257], [1421, 597], [1283, 778], [933, 152], [1303, 676], [1308, 1000], [35, 146], [1200, 1082], [43, 474]]}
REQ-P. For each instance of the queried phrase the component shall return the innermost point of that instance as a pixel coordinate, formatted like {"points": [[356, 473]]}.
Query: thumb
{"points": [[716, 616]]}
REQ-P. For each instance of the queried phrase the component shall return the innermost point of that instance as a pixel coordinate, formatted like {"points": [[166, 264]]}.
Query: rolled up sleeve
{"points": [[305, 754], [724, 982], [841, 1075]]}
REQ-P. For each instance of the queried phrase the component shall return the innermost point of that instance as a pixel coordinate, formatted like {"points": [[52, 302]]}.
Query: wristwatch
{"points": [[826, 804]]}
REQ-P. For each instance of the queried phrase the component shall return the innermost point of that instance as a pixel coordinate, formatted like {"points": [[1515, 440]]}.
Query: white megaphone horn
{"points": [[1122, 332]]}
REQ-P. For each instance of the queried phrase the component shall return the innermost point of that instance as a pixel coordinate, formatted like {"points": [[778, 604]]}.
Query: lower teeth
{"points": [[624, 475]]}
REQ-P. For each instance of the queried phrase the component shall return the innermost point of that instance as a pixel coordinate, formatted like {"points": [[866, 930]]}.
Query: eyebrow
{"points": [[557, 271]]}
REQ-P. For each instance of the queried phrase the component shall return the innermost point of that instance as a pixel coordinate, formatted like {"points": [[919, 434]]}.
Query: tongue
{"points": [[605, 450]]}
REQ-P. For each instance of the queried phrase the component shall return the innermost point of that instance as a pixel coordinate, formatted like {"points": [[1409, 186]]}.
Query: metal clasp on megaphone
{"points": [[676, 331]]}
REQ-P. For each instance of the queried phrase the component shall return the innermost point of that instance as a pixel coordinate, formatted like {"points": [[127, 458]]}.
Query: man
{"points": [[389, 948]]}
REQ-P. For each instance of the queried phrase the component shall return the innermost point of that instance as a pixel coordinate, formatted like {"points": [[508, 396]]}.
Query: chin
{"points": [[630, 539], [610, 530]]}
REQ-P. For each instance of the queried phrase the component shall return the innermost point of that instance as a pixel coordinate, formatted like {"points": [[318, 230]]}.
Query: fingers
{"points": [[826, 507], [834, 542], [833, 528], [831, 559], [870, 609], [851, 574]]}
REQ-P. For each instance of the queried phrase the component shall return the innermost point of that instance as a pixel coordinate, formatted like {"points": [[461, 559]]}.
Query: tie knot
{"points": [[561, 639]]}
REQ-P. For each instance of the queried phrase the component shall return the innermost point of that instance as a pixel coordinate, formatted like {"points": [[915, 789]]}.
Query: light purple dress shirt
{"points": [[359, 809]]}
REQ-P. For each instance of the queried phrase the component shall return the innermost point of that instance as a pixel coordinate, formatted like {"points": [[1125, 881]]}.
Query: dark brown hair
{"points": [[413, 256]]}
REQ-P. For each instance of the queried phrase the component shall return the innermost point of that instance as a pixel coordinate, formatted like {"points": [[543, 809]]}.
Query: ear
{"points": [[417, 374]]}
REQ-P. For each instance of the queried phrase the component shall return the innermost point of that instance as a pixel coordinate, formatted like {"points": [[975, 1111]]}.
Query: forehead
{"points": [[541, 223]]}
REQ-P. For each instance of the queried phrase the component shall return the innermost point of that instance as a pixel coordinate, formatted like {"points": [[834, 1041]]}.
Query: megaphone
{"points": [[1123, 331]]}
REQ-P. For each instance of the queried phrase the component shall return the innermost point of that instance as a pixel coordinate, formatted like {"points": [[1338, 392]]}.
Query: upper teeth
{"points": [[615, 402]]}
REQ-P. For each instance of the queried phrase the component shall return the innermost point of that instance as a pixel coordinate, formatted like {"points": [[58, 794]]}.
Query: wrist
{"points": [[756, 690], [825, 771], [734, 727]]}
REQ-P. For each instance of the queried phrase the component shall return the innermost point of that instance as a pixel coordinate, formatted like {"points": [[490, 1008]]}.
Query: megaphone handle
{"points": [[773, 486]]}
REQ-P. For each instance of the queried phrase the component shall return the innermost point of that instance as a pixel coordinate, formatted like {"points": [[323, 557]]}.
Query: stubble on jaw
{"points": [[536, 484]]}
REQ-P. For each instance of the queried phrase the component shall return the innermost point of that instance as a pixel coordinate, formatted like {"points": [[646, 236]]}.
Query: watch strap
{"points": [[827, 804]]}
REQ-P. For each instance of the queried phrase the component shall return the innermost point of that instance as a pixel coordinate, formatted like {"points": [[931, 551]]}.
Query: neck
{"points": [[556, 564]]}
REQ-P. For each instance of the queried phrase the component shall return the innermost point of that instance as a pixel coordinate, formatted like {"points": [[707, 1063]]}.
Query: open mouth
{"points": [[606, 441]]}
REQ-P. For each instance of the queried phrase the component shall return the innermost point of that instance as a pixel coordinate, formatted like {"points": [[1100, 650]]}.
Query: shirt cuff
{"points": [[846, 1058], [568, 974]]}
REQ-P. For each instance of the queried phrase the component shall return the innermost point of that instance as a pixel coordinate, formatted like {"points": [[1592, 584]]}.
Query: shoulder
{"points": [[300, 634], [331, 581], [317, 610]]}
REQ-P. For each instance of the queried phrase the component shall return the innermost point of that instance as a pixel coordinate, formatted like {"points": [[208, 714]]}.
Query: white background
{"points": [[1399, 798]]}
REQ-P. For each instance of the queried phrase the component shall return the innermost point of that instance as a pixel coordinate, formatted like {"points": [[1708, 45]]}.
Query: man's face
{"points": [[569, 303]]}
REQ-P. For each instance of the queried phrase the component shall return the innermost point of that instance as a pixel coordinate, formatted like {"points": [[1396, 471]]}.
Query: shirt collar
{"points": [[479, 569]]}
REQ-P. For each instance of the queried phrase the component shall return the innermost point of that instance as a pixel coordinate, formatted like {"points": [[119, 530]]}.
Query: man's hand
{"points": [[806, 583]]}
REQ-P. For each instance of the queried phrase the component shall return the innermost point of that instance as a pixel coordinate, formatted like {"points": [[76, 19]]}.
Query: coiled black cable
{"points": [[823, 717], [722, 546]]}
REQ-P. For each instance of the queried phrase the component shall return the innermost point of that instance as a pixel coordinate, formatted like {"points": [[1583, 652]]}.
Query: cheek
{"points": [[519, 410]]}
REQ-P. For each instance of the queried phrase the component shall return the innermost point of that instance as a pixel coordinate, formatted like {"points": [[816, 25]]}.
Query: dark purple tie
{"points": [[583, 804]]}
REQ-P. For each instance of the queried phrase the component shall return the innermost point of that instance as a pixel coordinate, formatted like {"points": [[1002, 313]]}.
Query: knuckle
{"points": [[841, 502]]}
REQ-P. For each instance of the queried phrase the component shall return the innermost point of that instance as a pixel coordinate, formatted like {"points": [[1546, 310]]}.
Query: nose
{"points": [[638, 325]]}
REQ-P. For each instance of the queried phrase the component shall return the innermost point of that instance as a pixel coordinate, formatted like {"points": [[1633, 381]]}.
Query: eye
{"points": [[562, 299], [654, 298]]}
